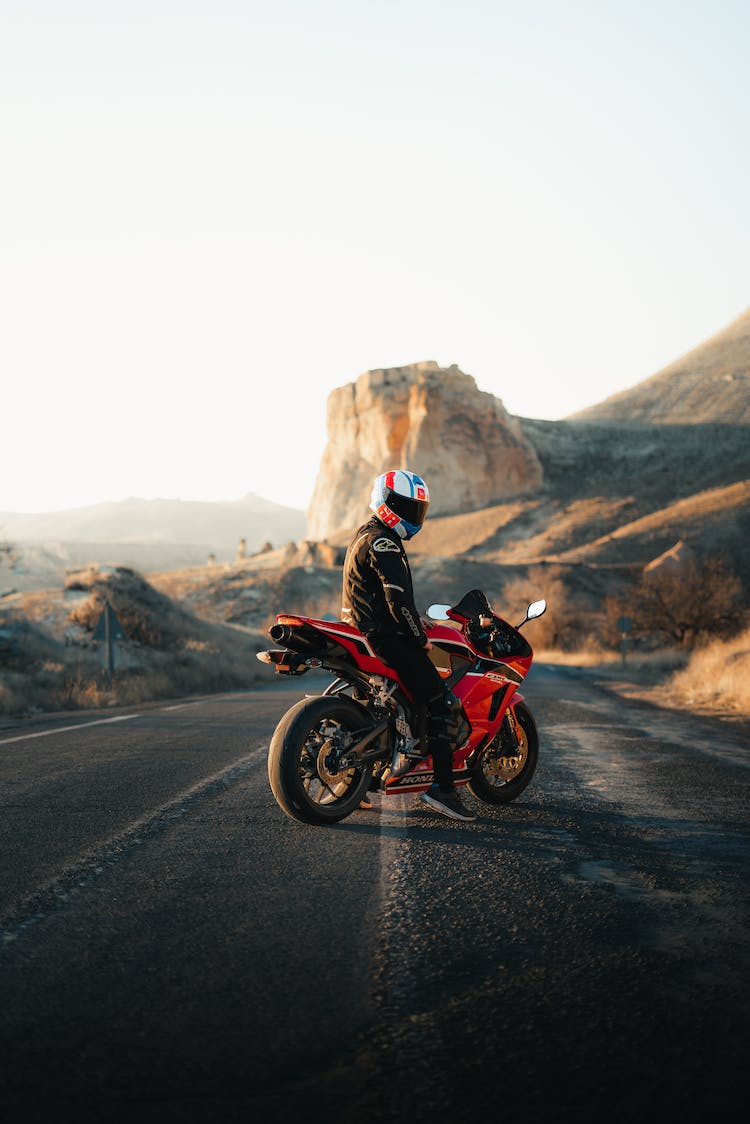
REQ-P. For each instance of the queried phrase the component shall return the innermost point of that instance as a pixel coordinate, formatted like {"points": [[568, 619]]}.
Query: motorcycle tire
{"points": [[498, 783], [299, 764]]}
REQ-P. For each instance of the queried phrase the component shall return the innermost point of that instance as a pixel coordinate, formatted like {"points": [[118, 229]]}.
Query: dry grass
{"points": [[716, 677], [713, 680]]}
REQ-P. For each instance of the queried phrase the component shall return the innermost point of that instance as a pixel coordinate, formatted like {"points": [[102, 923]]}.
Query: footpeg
{"points": [[404, 758]]}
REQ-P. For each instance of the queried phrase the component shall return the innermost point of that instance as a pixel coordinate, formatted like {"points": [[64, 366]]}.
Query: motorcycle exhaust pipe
{"points": [[293, 638]]}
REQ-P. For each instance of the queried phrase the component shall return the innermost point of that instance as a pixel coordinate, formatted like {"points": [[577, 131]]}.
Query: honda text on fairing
{"points": [[361, 733]]}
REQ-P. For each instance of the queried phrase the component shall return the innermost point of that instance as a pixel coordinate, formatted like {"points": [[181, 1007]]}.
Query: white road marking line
{"points": [[107, 852], [102, 721], [67, 729]]}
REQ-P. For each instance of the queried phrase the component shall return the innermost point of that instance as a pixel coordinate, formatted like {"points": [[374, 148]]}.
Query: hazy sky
{"points": [[212, 213]]}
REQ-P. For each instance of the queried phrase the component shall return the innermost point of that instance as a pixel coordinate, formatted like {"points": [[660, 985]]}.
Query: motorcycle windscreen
{"points": [[473, 604]]}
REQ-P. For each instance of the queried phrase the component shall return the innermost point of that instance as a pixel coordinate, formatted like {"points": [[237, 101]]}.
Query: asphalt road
{"points": [[175, 949]]}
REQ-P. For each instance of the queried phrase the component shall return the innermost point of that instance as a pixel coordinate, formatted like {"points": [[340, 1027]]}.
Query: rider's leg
{"points": [[421, 678], [441, 746]]}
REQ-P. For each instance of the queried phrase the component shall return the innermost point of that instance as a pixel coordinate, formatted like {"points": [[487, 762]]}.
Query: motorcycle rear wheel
{"points": [[498, 780], [302, 770]]}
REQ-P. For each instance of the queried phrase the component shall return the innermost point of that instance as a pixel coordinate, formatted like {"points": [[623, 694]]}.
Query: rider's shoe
{"points": [[448, 803]]}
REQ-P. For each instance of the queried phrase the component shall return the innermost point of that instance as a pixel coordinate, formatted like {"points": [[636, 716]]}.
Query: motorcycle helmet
{"points": [[400, 500]]}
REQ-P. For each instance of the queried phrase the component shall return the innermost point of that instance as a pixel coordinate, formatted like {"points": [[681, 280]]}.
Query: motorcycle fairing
{"points": [[358, 648], [421, 776]]}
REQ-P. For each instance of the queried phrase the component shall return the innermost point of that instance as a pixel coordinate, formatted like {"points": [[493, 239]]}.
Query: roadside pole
{"points": [[625, 624], [109, 630]]}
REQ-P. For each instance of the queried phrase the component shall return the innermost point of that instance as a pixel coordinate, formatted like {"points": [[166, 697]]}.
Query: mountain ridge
{"points": [[218, 524], [709, 383]]}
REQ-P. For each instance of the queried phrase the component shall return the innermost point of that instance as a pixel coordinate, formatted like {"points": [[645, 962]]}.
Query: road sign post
{"points": [[110, 631], [625, 625]]}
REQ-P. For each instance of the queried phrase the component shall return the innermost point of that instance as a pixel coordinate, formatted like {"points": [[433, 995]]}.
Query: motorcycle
{"points": [[362, 732]]}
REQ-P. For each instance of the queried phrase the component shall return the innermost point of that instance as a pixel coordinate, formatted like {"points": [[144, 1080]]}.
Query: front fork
{"points": [[508, 733]]}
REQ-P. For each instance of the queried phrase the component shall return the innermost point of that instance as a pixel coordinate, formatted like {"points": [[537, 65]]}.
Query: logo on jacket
{"points": [[410, 621], [382, 545]]}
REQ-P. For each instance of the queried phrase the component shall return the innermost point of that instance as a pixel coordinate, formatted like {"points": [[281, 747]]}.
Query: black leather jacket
{"points": [[378, 594]]}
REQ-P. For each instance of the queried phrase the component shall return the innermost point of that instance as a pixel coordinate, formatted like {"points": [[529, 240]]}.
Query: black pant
{"points": [[420, 677]]}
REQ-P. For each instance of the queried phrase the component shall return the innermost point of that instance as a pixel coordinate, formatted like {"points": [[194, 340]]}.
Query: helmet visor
{"points": [[411, 511]]}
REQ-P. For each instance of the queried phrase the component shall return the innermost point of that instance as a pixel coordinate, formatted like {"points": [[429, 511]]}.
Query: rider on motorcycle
{"points": [[378, 599]]}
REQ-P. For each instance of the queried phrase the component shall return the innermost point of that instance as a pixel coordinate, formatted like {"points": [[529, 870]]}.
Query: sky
{"points": [[214, 213]]}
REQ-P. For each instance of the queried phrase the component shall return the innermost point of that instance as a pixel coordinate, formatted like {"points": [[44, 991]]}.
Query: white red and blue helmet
{"points": [[400, 500]]}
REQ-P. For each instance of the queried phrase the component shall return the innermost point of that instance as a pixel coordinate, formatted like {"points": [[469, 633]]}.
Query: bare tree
{"points": [[703, 597]]}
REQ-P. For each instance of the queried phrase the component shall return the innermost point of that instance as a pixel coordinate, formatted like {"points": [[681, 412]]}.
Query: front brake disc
{"points": [[504, 768]]}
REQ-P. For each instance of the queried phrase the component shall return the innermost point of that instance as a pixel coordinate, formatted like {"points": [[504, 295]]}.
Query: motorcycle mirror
{"points": [[535, 609], [438, 612]]}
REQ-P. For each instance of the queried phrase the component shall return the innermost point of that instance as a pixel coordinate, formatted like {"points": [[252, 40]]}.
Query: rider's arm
{"points": [[392, 568]]}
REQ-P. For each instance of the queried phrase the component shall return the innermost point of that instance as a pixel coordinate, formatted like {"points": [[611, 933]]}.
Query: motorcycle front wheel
{"points": [[305, 777], [498, 778]]}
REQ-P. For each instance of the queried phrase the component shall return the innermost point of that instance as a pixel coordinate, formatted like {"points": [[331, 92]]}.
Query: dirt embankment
{"points": [[52, 658]]}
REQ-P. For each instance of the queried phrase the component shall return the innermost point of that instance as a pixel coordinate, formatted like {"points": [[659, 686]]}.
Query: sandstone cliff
{"points": [[430, 419]]}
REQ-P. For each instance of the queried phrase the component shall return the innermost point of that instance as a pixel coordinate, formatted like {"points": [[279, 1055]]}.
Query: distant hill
{"points": [[216, 526], [148, 534], [709, 384]]}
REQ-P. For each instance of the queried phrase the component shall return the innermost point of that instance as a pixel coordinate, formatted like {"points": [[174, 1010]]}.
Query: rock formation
{"points": [[430, 419]]}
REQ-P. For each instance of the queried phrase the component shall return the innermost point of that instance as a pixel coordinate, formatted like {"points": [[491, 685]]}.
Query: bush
{"points": [[561, 626]]}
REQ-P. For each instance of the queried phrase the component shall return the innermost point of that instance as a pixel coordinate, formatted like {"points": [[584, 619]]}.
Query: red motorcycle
{"points": [[362, 733]]}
